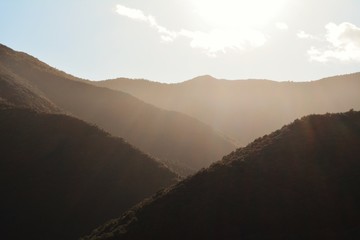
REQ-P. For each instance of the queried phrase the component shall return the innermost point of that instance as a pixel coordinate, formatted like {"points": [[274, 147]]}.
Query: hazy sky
{"points": [[175, 40]]}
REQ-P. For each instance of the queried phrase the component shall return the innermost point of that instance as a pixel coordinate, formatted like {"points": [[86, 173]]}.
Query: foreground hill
{"points": [[182, 142], [60, 177], [246, 109], [300, 182]]}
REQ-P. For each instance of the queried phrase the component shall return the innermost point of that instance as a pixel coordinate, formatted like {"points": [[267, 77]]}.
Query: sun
{"points": [[238, 13]]}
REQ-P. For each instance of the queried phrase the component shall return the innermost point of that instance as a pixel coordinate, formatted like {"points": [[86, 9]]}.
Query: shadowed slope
{"points": [[183, 143], [60, 177], [300, 182], [246, 109]]}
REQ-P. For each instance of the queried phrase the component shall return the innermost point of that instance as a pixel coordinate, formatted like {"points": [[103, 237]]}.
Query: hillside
{"points": [[182, 142], [246, 109], [61, 177], [14, 91], [299, 182]]}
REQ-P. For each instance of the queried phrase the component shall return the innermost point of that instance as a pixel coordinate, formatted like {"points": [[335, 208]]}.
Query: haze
{"points": [[173, 41], [182, 119]]}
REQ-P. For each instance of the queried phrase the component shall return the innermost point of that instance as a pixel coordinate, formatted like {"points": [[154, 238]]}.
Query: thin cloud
{"points": [[219, 40], [343, 44], [131, 13], [165, 33], [282, 26], [212, 42], [303, 35], [136, 14]]}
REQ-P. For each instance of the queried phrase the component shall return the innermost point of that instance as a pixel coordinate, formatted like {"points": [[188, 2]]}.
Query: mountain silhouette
{"points": [[61, 177], [246, 109], [185, 144], [299, 182]]}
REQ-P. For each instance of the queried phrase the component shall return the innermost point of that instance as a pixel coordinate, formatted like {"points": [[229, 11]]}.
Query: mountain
{"points": [[182, 142], [61, 177], [246, 109], [299, 182], [16, 92]]}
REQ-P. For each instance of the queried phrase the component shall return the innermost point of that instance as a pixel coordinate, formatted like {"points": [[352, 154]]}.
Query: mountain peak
{"points": [[97, 105], [204, 78]]}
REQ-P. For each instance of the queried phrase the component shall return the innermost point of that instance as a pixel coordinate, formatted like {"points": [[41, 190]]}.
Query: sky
{"points": [[176, 40]]}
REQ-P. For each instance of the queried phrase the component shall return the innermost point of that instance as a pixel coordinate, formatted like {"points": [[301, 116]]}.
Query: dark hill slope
{"points": [[246, 109], [60, 177], [182, 142], [300, 182]]}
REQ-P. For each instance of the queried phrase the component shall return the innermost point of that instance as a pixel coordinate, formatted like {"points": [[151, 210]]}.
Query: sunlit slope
{"points": [[246, 109], [61, 177], [299, 182], [16, 92], [182, 142]]}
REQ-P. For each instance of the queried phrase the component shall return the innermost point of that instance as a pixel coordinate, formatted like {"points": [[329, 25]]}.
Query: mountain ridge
{"points": [[299, 182], [182, 142], [60, 174], [246, 109]]}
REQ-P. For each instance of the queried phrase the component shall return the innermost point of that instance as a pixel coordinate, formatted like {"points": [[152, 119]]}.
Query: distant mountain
{"points": [[182, 142], [61, 177], [299, 182], [246, 109]]}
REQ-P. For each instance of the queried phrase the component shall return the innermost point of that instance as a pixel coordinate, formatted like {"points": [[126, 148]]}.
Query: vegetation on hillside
{"points": [[61, 177], [246, 109], [15, 91], [180, 141], [299, 182]]}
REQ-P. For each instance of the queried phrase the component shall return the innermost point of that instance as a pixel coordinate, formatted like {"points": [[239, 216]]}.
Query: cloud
{"points": [[219, 40], [212, 42], [343, 44], [282, 26], [165, 33], [136, 14], [303, 35], [131, 13]]}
